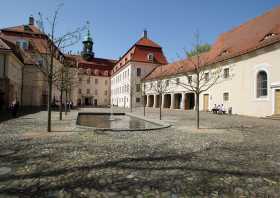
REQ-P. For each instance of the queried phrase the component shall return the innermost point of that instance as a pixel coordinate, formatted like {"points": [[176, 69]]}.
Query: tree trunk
{"points": [[50, 82], [197, 111], [130, 103], [49, 103], [60, 105], [66, 102], [144, 106], [160, 107]]}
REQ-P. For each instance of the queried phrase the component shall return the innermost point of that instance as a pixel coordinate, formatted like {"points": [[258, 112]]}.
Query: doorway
{"points": [[277, 101], [206, 102], [189, 101], [88, 101]]}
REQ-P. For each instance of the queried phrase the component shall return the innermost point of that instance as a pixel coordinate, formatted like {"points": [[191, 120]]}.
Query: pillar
{"points": [[182, 105], [148, 101], [155, 101], [162, 100], [172, 101]]}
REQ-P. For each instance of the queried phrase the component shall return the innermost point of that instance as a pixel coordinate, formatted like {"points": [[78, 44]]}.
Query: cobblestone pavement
{"points": [[231, 156]]}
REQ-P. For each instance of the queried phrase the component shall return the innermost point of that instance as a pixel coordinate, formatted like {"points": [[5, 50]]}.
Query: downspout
{"points": [[21, 91], [5, 59], [6, 95]]}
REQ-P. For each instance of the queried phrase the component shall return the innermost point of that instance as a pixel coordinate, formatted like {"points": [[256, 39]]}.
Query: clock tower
{"points": [[87, 52]]}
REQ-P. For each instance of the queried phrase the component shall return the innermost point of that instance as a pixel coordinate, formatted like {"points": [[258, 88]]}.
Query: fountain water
{"points": [[111, 114]]}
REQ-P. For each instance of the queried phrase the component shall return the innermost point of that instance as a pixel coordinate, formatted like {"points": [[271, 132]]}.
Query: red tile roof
{"points": [[177, 67], [37, 40], [255, 34], [27, 29], [147, 42], [103, 66], [139, 53]]}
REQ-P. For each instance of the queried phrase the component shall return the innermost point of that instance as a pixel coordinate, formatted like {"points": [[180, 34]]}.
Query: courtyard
{"points": [[230, 156]]}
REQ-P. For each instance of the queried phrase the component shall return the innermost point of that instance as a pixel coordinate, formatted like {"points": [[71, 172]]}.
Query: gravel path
{"points": [[231, 156]]}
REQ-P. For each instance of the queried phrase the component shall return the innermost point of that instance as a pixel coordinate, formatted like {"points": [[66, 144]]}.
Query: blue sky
{"points": [[117, 24]]}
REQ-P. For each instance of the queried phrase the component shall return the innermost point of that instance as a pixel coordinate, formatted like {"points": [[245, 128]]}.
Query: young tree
{"points": [[53, 47], [160, 87], [143, 94], [67, 78], [199, 77], [132, 91]]}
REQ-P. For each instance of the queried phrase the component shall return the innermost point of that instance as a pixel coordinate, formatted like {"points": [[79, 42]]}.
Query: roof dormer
{"points": [[268, 36]]}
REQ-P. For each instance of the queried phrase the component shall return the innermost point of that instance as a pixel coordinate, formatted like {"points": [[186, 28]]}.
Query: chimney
{"points": [[145, 34], [31, 20]]}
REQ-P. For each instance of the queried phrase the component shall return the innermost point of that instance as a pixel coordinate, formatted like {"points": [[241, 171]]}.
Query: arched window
{"points": [[150, 57], [261, 84]]}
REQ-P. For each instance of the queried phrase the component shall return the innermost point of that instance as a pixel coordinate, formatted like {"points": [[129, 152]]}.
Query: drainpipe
{"points": [[5, 59], [21, 91], [6, 95]]}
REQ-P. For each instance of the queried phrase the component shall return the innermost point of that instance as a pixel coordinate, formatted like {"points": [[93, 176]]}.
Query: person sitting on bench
{"points": [[222, 109], [215, 109]]}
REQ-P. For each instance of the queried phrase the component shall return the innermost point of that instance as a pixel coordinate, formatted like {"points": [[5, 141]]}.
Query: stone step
{"points": [[274, 117]]}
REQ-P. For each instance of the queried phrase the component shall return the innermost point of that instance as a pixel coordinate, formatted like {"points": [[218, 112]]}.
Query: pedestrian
{"points": [[15, 107]]}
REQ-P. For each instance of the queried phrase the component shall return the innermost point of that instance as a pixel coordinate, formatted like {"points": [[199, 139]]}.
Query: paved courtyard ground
{"points": [[231, 156]]}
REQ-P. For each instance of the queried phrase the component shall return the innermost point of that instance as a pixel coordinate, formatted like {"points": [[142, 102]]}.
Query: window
{"points": [[80, 91], [206, 77], [151, 85], [138, 99], [226, 72], [105, 92], [261, 84], [40, 62], [96, 81], [88, 71], [167, 83], [138, 71], [226, 96], [96, 92], [88, 81], [138, 87], [150, 57], [190, 79], [22, 44], [80, 79], [88, 91], [269, 35], [96, 72], [177, 81]]}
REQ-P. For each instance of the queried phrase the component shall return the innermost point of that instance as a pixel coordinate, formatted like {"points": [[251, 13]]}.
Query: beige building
{"points": [[92, 84], [249, 80], [10, 74], [32, 44]]}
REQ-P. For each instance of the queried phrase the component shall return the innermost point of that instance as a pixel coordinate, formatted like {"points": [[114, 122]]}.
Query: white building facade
{"points": [[132, 67], [249, 83]]}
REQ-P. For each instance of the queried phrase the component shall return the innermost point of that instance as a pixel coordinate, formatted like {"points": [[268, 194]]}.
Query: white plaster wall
{"points": [[120, 94], [122, 98], [241, 85]]}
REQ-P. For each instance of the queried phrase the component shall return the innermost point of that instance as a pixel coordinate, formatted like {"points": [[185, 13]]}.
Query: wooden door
{"points": [[205, 102], [277, 101]]}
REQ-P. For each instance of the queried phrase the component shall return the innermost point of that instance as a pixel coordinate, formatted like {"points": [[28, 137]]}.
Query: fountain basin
{"points": [[116, 122]]}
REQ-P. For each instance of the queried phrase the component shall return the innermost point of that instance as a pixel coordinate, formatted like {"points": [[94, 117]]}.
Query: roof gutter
{"points": [[5, 70]]}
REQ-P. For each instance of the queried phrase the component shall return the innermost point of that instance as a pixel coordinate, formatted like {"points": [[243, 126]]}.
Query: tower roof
{"points": [[88, 38]]}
